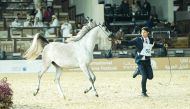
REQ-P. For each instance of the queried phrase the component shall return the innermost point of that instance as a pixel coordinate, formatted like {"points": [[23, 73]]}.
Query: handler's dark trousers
{"points": [[145, 69]]}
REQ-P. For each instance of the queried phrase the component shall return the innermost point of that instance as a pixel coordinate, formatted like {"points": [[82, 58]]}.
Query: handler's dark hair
{"points": [[146, 29]]}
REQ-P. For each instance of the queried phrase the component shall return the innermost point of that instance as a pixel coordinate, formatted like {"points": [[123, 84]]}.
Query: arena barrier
{"points": [[112, 64]]}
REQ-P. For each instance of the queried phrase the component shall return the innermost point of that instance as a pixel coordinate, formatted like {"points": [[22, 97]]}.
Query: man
{"points": [[144, 45]]}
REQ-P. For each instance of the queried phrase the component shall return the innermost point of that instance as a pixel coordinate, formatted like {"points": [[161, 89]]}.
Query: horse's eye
{"points": [[106, 29]]}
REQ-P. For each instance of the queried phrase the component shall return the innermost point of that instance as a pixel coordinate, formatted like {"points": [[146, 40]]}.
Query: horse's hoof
{"points": [[97, 95], [34, 94], [85, 91], [64, 98]]}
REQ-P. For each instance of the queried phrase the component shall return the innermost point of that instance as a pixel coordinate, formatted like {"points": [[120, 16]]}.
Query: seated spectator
{"points": [[108, 2], [18, 15], [33, 12], [28, 22], [150, 22], [54, 23], [15, 23], [37, 22], [124, 7], [78, 28], [135, 7], [66, 29], [120, 35], [48, 13], [147, 7]]}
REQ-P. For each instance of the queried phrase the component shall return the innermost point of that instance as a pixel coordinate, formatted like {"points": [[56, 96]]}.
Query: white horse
{"points": [[76, 54]]}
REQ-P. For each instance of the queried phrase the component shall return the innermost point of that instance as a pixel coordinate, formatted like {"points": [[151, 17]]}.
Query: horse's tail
{"points": [[38, 44]]}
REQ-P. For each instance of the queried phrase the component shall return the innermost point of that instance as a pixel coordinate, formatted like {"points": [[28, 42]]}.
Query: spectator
{"points": [[18, 17], [28, 22], [33, 12], [78, 27], [15, 23], [38, 22], [48, 14], [147, 7], [124, 7], [54, 23], [119, 36], [135, 7], [66, 29], [150, 22], [39, 14]]}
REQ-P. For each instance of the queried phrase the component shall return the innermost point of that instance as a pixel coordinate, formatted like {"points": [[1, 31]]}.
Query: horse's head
{"points": [[104, 32]]}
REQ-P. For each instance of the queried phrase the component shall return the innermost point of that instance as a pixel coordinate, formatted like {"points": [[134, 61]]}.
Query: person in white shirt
{"points": [[39, 14], [27, 23], [55, 23], [66, 29], [15, 23], [37, 22]]}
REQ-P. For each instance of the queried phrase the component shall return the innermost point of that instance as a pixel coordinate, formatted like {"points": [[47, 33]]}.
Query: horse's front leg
{"points": [[86, 70], [93, 78]]}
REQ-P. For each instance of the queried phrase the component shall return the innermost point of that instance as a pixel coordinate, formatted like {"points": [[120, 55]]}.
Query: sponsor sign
{"points": [[113, 64]]}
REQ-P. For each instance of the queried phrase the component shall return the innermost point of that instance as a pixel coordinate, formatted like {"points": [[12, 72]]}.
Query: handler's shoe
{"points": [[136, 73], [144, 95]]}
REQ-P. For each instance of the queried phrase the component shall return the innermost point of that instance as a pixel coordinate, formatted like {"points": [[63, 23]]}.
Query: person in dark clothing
{"points": [[124, 7], [144, 45], [147, 7]]}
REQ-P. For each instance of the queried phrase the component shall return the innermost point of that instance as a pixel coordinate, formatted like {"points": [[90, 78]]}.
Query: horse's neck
{"points": [[89, 39]]}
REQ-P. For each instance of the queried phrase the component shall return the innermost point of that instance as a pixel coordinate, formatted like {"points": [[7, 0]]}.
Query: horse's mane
{"points": [[85, 29]]}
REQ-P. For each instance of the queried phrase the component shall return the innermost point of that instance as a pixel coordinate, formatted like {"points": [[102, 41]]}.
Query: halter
{"points": [[109, 36]]}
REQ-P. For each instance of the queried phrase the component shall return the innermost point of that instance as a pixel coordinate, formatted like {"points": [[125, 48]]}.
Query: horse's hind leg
{"points": [[93, 78], [40, 74], [57, 80], [86, 70]]}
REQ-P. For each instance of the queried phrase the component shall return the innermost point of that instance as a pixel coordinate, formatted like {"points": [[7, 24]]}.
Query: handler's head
{"points": [[145, 32]]}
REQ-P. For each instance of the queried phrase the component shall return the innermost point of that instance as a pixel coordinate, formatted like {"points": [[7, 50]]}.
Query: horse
{"points": [[75, 54]]}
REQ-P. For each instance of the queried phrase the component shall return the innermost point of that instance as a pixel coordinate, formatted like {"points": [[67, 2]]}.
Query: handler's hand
{"points": [[166, 46], [118, 42]]}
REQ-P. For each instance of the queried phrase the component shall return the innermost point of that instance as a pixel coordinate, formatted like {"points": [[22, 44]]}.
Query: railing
{"points": [[12, 44], [42, 29]]}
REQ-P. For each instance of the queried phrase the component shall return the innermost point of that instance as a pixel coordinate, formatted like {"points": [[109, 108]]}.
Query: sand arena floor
{"points": [[117, 90]]}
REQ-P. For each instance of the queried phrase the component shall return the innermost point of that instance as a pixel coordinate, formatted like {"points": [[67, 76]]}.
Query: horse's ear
{"points": [[87, 18]]}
